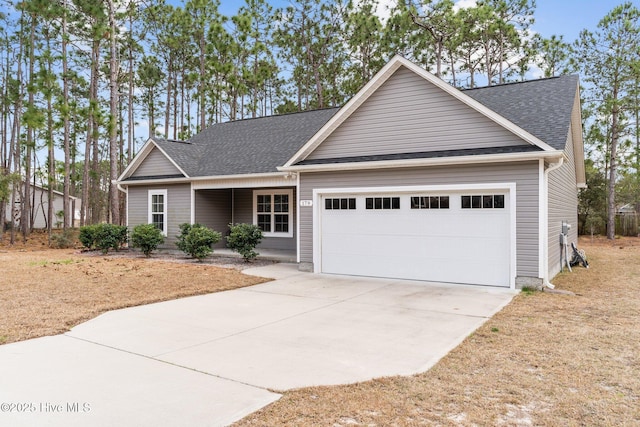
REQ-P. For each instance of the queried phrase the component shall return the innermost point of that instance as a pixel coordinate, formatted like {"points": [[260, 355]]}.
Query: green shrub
{"points": [[196, 240], [103, 236], [181, 238], [243, 239], [64, 240], [147, 237], [123, 235], [88, 236]]}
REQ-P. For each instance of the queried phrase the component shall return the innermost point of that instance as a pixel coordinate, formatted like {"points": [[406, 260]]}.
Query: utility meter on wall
{"points": [[565, 228]]}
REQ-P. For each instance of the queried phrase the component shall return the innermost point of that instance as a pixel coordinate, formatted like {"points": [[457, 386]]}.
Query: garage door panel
{"points": [[422, 248], [448, 245], [418, 268]]}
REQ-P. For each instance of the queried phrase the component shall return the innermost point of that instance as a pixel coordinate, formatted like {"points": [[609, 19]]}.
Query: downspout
{"points": [[121, 188], [551, 168]]}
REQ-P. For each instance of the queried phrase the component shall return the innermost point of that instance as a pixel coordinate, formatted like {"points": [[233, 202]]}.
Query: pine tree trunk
{"points": [[114, 199], [25, 217], [68, 215], [611, 206]]}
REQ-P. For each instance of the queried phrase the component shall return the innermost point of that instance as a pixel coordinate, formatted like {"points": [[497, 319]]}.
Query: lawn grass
{"points": [[546, 359], [47, 292]]}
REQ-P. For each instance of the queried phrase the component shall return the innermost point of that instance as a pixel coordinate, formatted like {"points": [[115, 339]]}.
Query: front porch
{"points": [[273, 209]]}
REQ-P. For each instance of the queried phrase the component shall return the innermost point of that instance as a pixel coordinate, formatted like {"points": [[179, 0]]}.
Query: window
{"points": [[272, 212], [340, 204], [158, 209], [382, 203], [429, 202], [495, 201]]}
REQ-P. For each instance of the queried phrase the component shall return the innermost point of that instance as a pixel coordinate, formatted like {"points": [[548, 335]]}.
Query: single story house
{"points": [[411, 179]]}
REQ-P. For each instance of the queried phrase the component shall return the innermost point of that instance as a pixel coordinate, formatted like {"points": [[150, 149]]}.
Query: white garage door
{"points": [[455, 237]]}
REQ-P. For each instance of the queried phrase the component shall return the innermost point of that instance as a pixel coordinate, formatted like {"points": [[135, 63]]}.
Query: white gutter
{"points": [[183, 180], [437, 161], [545, 233], [120, 187]]}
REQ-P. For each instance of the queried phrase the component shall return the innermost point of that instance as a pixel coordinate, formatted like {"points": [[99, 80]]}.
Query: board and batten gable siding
{"points": [[563, 206], [213, 210], [178, 204], [408, 114], [524, 174], [156, 164], [243, 213]]}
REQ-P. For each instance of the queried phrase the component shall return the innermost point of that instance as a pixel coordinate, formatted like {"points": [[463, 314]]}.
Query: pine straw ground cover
{"points": [[545, 360], [46, 292]]}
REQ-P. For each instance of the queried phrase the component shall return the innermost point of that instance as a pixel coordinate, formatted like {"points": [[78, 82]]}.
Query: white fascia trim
{"points": [[578, 141], [509, 186], [142, 154], [461, 160], [346, 111], [171, 160], [241, 176], [482, 109], [155, 181], [377, 81], [221, 178]]}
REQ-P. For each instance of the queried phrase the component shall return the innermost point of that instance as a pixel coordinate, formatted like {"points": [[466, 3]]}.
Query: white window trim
{"points": [[162, 192], [271, 192]]}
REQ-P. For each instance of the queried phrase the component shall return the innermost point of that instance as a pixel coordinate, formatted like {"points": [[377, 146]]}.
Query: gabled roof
{"points": [[539, 112], [541, 107], [379, 79], [250, 146], [253, 145]]}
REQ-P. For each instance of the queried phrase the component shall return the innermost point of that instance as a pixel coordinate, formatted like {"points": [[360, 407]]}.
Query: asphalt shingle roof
{"points": [[541, 107], [246, 146]]}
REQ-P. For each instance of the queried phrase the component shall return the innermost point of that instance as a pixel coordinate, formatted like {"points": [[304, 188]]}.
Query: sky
{"points": [[569, 17], [560, 17]]}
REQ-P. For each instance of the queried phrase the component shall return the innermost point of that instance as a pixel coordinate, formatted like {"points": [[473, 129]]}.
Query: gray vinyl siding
{"points": [[563, 206], [243, 213], [408, 114], [524, 174], [178, 208], [213, 209], [156, 164]]}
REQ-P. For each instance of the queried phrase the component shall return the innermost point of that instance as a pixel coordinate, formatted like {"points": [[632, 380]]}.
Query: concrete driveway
{"points": [[212, 359]]}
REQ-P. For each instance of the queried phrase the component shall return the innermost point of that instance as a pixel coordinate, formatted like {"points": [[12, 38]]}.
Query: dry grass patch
{"points": [[47, 292], [546, 359]]}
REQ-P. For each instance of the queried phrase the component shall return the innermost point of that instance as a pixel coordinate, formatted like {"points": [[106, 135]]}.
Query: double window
{"points": [[488, 201], [273, 212], [158, 209]]}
